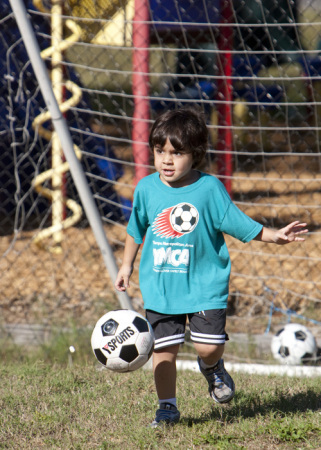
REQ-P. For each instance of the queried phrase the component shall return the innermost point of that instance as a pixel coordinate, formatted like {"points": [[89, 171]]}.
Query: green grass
{"points": [[50, 404]]}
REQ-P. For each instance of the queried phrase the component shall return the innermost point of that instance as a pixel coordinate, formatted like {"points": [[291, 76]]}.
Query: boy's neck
{"points": [[191, 178]]}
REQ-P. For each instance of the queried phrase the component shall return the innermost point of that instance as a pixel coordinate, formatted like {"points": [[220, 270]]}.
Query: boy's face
{"points": [[174, 168]]}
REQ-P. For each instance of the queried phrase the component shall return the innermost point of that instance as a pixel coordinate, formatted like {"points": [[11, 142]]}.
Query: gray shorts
{"points": [[206, 327]]}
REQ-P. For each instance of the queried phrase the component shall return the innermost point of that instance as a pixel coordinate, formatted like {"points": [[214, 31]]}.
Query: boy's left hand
{"points": [[291, 233]]}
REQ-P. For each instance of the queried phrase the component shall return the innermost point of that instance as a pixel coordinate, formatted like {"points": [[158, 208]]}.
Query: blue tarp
{"points": [[22, 154]]}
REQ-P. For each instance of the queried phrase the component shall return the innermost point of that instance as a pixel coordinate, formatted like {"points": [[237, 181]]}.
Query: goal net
{"points": [[254, 67]]}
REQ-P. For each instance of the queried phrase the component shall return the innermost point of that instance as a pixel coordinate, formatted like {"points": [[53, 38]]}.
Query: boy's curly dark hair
{"points": [[186, 130]]}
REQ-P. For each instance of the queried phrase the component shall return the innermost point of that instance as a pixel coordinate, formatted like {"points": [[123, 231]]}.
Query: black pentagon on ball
{"points": [[109, 327], [284, 351], [100, 356], [300, 335], [306, 358], [186, 207], [128, 353], [140, 324], [279, 332], [192, 221], [178, 221]]}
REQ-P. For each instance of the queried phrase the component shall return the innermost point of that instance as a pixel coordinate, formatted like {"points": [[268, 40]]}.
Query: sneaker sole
{"points": [[163, 423], [226, 400]]}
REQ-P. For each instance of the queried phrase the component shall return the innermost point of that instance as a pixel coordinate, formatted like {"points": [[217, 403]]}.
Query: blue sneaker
{"points": [[166, 414], [220, 384]]}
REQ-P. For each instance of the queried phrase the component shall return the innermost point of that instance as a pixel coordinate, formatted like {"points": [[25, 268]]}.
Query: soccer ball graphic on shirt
{"points": [[184, 218], [122, 340], [294, 344]]}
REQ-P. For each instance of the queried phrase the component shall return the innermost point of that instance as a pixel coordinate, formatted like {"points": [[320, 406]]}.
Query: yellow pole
{"points": [[57, 83], [59, 166]]}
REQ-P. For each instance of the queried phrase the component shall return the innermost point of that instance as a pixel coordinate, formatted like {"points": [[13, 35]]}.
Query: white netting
{"points": [[255, 69]]}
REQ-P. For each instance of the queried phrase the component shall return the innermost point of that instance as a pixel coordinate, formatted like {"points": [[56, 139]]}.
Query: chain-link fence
{"points": [[255, 69]]}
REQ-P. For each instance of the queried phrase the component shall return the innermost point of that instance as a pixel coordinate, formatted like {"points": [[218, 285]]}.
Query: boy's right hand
{"points": [[126, 269], [122, 279]]}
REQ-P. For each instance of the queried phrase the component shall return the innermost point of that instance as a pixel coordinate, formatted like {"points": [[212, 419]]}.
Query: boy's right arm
{"points": [[126, 269]]}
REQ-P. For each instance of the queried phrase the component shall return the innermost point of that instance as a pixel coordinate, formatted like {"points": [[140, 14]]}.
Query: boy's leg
{"points": [[208, 335], [209, 354], [164, 367], [169, 334]]}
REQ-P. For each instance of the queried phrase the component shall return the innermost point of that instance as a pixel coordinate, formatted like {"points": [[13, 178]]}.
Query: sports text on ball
{"points": [[119, 339]]}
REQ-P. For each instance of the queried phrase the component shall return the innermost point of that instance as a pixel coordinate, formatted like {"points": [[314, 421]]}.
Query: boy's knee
{"points": [[167, 353], [206, 351]]}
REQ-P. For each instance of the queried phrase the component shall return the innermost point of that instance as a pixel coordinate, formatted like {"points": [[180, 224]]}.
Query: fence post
{"points": [[225, 91], [141, 115]]}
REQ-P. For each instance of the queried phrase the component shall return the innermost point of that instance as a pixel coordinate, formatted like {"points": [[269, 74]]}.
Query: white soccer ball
{"points": [[122, 340], [184, 218], [294, 344]]}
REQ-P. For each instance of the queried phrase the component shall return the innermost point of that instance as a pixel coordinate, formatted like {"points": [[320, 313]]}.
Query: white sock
{"points": [[207, 366], [172, 401]]}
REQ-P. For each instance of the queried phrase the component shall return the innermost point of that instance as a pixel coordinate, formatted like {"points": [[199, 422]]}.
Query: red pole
{"points": [[224, 87], [140, 132]]}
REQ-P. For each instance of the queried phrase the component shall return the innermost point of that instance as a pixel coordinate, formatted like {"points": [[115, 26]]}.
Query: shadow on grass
{"points": [[251, 406]]}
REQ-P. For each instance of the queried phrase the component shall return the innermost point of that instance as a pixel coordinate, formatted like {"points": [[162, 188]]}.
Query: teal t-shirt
{"points": [[185, 265]]}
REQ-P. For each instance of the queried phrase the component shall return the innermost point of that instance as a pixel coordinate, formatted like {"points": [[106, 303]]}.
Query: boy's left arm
{"points": [[290, 233]]}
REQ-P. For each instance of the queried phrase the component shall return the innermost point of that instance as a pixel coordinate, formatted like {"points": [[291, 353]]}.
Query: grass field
{"points": [[50, 404]]}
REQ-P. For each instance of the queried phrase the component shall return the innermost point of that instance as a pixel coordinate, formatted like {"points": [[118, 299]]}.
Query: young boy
{"points": [[181, 214]]}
